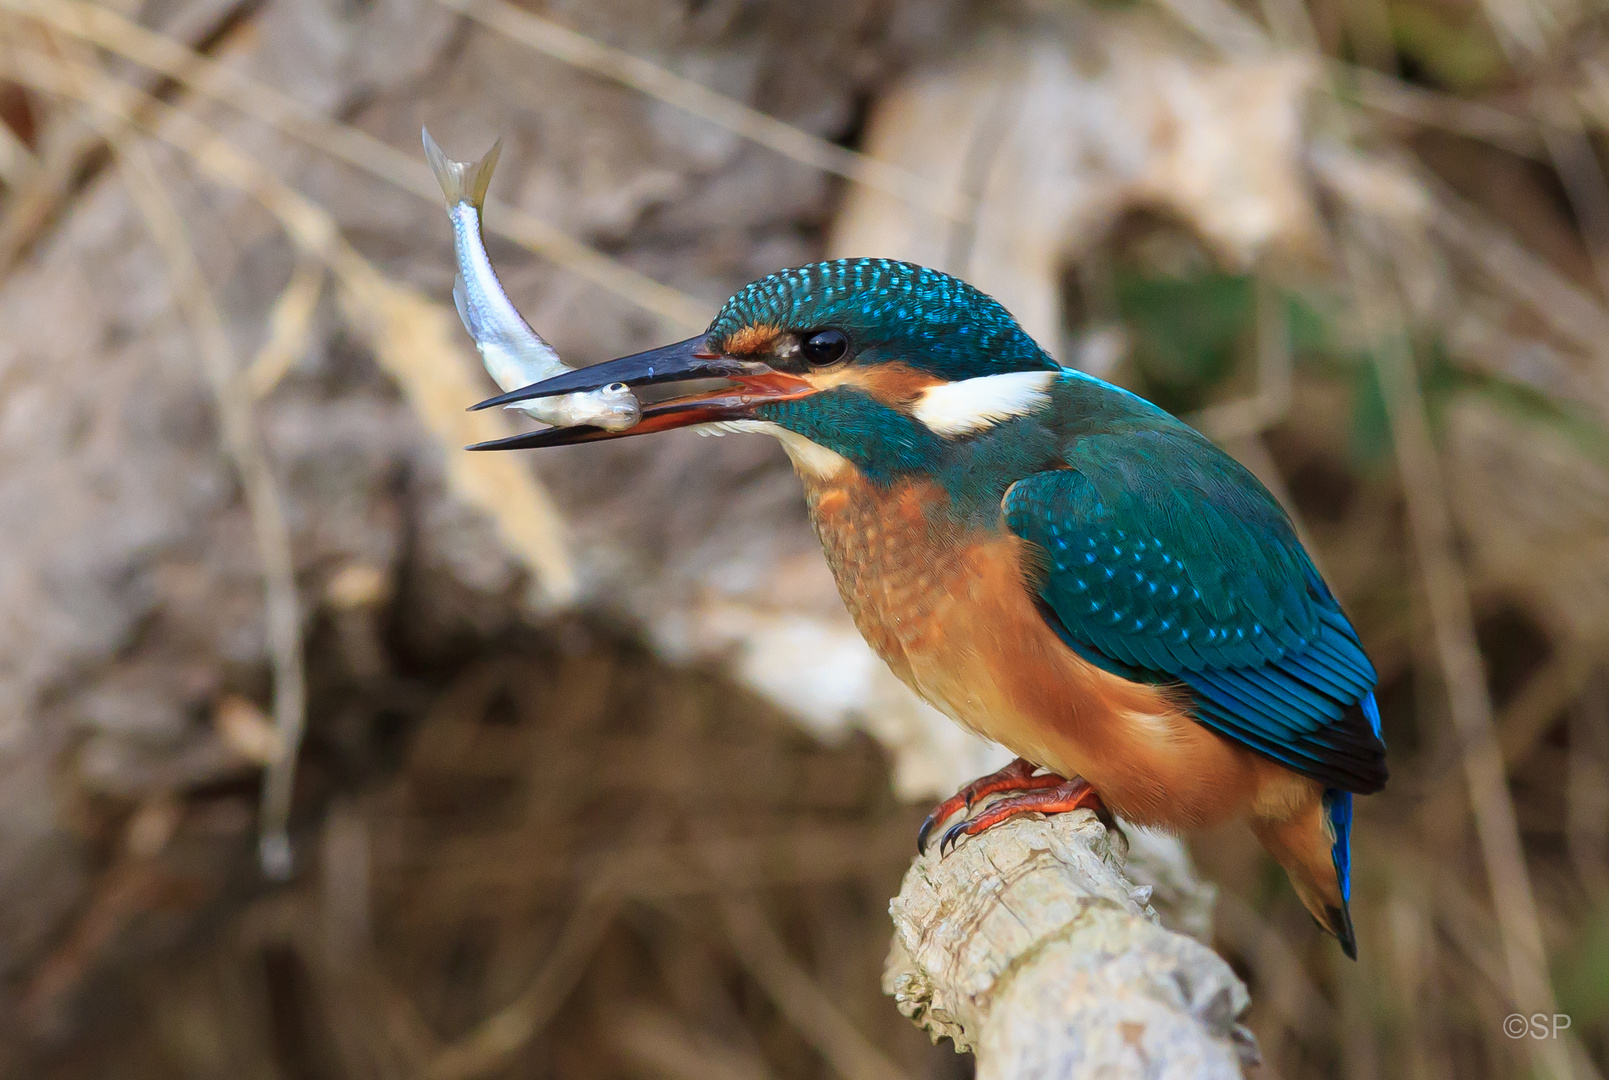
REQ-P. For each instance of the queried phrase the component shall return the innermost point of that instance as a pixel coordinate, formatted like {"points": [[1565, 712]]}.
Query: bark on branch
{"points": [[1029, 946]]}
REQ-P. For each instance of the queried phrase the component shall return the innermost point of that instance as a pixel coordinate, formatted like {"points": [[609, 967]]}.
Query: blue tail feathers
{"points": [[1338, 805], [1338, 808]]}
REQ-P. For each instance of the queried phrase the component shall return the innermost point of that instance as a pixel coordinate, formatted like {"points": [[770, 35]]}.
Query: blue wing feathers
{"points": [[1253, 698], [1371, 712], [1338, 805], [1192, 575]]}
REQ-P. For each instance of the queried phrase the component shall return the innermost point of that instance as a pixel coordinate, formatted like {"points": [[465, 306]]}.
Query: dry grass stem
{"points": [[1576, 163], [500, 1036], [1285, 985], [290, 326], [352, 146], [810, 1010], [586, 54], [1219, 24], [1569, 311], [1232, 421], [195, 300], [1587, 799], [416, 341], [69, 143], [655, 1041], [17, 161], [1392, 97], [1463, 672]]}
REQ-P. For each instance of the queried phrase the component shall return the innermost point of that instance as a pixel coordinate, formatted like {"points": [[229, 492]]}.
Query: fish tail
{"points": [[462, 181]]}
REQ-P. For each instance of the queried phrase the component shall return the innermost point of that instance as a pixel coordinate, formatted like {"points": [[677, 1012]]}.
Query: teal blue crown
{"points": [[891, 311]]}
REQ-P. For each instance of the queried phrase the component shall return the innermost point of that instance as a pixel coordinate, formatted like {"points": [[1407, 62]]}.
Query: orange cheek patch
{"points": [[894, 384], [751, 340]]}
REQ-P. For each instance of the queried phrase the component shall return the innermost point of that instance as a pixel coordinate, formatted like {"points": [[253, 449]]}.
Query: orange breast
{"points": [[894, 568], [952, 613]]}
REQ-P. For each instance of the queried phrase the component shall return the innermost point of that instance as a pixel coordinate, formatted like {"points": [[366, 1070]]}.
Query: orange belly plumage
{"points": [[951, 610]]}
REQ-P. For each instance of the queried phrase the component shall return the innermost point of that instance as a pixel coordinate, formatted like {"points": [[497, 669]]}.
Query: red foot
{"points": [[1018, 776], [1074, 794]]}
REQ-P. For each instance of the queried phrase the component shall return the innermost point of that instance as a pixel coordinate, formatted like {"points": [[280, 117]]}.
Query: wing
{"points": [[1165, 561]]}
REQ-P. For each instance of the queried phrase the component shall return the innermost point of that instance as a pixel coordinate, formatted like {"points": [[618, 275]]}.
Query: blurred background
{"points": [[327, 750]]}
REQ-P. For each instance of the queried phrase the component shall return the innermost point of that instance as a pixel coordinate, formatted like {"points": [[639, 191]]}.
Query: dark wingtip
{"points": [[1341, 927]]}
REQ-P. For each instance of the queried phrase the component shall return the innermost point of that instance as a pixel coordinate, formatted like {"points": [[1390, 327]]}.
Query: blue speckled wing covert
{"points": [[1168, 563]]}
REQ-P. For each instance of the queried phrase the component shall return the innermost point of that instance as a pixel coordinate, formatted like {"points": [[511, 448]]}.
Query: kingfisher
{"points": [[1055, 563]]}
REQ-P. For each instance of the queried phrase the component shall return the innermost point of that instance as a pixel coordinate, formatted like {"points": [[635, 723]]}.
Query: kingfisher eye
{"points": [[823, 347]]}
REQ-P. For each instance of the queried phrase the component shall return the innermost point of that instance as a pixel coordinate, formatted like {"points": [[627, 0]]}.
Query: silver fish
{"points": [[514, 354]]}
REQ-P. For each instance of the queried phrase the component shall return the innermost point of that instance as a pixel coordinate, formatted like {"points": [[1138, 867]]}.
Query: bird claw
{"points": [[952, 836], [941, 813], [1017, 776], [1066, 796]]}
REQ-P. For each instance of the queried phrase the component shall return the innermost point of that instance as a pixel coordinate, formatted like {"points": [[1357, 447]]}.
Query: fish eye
{"points": [[823, 347]]}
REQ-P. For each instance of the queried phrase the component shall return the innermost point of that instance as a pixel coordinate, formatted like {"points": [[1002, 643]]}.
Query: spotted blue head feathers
{"points": [[891, 311]]}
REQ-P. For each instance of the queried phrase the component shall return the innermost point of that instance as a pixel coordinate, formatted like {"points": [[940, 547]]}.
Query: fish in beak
{"points": [[751, 383], [513, 353]]}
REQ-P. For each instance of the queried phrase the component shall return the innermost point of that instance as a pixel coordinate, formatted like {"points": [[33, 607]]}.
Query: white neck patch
{"points": [[810, 458], [960, 408]]}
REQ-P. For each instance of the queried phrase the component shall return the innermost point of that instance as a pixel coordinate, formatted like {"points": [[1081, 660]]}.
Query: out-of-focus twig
{"points": [[290, 326], [1412, 957], [1430, 109], [16, 160], [413, 339], [655, 1041], [1453, 625], [1587, 793], [1291, 26], [68, 143], [1568, 310], [1244, 417], [1221, 24], [396, 323], [687, 965], [765, 957], [64, 143], [497, 1038], [580, 51], [1575, 162], [1524, 39], [357, 148], [133, 883], [1547, 693], [1283, 984], [1525, 719], [1571, 312], [194, 298]]}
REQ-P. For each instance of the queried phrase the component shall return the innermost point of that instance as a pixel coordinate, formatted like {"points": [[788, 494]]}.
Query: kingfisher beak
{"points": [[750, 383]]}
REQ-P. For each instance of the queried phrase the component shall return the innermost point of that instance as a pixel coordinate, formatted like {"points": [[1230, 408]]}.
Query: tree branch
{"points": [[1029, 946]]}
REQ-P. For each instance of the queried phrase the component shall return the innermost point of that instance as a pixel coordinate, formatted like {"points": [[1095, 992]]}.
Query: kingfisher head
{"points": [[869, 361]]}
